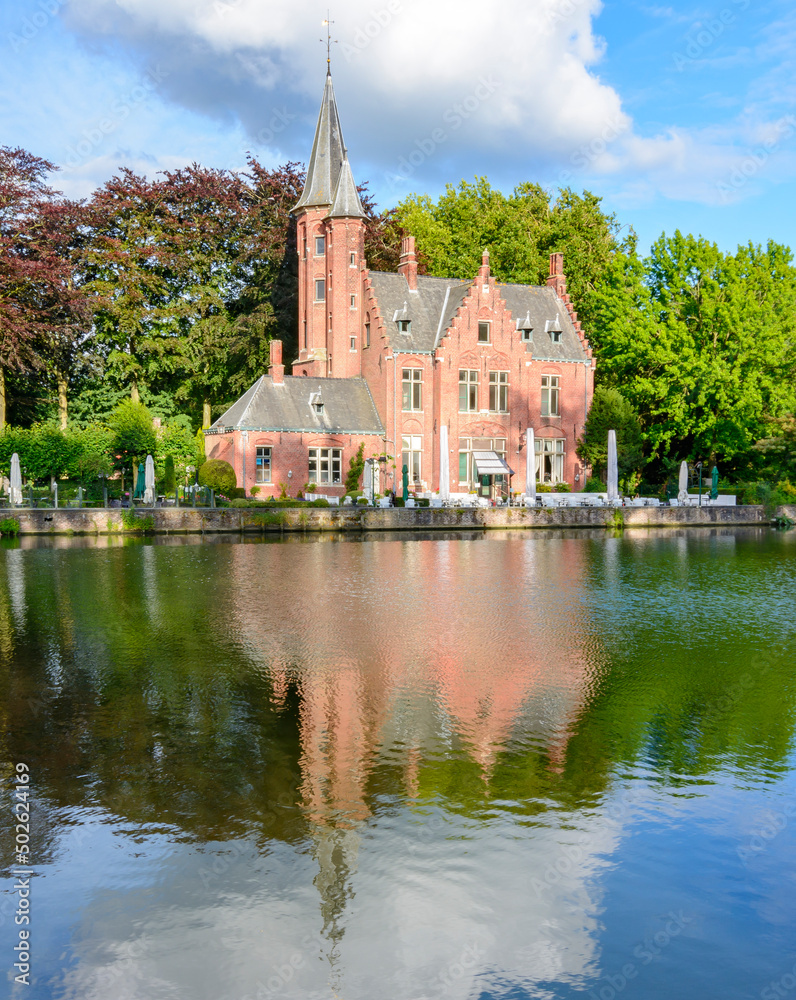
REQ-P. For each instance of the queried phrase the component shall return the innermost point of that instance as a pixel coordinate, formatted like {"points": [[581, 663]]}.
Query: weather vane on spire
{"points": [[328, 23]]}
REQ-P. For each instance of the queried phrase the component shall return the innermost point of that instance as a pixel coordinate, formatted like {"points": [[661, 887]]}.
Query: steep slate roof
{"points": [[346, 198], [544, 306], [432, 307], [327, 157], [348, 407]]}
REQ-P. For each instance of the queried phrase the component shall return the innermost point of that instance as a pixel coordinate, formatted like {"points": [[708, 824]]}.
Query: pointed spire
{"points": [[328, 154], [346, 203]]}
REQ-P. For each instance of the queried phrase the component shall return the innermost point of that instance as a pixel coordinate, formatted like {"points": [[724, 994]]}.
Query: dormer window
{"points": [[525, 328], [553, 327], [316, 402], [402, 321]]}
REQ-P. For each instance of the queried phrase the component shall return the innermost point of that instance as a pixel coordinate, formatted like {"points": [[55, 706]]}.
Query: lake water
{"points": [[552, 765]]}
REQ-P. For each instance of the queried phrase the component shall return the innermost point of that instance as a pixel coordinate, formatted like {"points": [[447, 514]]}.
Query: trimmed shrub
{"points": [[169, 479], [562, 488], [218, 475], [594, 485]]}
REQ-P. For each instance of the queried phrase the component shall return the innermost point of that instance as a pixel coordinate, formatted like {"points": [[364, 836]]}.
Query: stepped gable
{"points": [[542, 306], [430, 308], [291, 405]]}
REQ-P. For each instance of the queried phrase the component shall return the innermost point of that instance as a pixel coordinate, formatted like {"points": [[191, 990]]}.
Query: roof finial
{"points": [[328, 23]]}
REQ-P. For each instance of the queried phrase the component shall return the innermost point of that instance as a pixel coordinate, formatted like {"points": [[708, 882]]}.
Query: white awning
{"points": [[489, 463]]}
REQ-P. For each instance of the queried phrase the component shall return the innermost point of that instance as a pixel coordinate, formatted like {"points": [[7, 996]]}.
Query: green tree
{"points": [[355, 470], [133, 434], [520, 231], [611, 411], [702, 344]]}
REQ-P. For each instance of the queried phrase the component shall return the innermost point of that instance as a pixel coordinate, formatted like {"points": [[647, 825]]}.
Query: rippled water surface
{"points": [[520, 765]]}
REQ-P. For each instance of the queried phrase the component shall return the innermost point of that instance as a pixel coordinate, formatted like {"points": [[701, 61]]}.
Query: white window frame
{"points": [[325, 466], [412, 387], [470, 385], [499, 392], [263, 463], [320, 286], [412, 456], [550, 453], [551, 395], [487, 326], [320, 241]]}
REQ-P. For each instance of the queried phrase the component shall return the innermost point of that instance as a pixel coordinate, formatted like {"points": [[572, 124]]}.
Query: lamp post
{"points": [[699, 466]]}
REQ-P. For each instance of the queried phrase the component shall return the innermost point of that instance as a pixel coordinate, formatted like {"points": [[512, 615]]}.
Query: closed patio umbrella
{"points": [[405, 480], [444, 464], [149, 481], [613, 467], [140, 483], [15, 487], [530, 464], [714, 483], [682, 485]]}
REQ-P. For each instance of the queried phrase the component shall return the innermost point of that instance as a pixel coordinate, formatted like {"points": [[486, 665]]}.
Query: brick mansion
{"points": [[388, 360]]}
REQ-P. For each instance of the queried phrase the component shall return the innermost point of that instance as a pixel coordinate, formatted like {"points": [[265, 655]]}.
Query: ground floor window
{"points": [[411, 454], [263, 468], [468, 474], [550, 460], [326, 465]]}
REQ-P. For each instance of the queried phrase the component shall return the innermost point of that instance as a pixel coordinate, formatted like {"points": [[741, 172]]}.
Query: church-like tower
{"points": [[330, 225]]}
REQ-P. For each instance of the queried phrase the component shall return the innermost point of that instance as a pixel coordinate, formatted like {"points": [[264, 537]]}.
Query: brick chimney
{"points": [[276, 369], [483, 270], [557, 280], [408, 265]]}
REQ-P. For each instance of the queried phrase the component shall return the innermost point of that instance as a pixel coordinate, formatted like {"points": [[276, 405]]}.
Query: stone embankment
{"points": [[188, 520]]}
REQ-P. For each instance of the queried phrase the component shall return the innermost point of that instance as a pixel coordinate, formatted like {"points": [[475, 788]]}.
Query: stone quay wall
{"points": [[187, 520]]}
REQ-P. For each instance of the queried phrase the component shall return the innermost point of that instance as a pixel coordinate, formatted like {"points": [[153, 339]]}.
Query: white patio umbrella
{"points": [[682, 487], [613, 467], [15, 488], [444, 464], [149, 481], [530, 464]]}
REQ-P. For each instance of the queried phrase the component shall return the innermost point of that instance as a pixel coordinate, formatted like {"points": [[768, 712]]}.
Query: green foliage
{"points": [[45, 450], [218, 475], [520, 231], [611, 411], [9, 526], [133, 434], [169, 478], [593, 485], [355, 470], [701, 343], [236, 493], [562, 488]]}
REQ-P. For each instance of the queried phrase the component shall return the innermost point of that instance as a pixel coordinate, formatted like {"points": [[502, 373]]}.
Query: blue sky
{"points": [[678, 116]]}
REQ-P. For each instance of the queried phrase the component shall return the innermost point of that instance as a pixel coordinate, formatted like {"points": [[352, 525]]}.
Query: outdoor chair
{"points": [[435, 502], [385, 502], [410, 502]]}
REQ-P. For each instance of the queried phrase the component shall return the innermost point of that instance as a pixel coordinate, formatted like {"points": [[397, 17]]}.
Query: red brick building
{"points": [[388, 360]]}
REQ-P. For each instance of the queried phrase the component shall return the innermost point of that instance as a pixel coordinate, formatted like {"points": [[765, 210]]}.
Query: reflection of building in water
{"points": [[473, 637], [424, 652]]}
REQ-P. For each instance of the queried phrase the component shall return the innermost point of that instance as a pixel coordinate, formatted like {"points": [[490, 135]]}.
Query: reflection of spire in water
{"points": [[16, 585], [337, 853]]}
